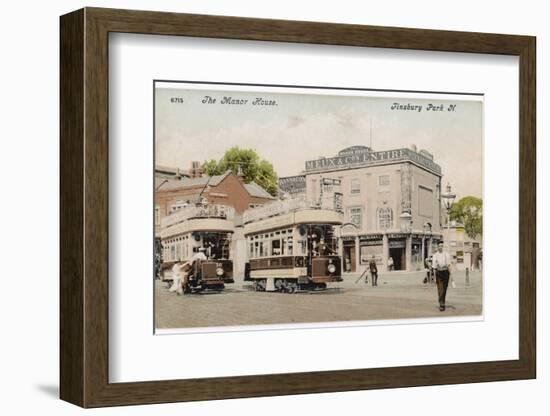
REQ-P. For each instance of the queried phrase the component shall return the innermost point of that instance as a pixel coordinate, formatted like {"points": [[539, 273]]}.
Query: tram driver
{"points": [[199, 255], [323, 248]]}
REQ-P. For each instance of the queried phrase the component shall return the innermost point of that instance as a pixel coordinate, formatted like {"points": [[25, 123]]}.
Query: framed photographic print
{"points": [[261, 207]]}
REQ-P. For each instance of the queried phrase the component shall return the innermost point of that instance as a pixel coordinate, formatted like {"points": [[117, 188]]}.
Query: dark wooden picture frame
{"points": [[84, 207]]}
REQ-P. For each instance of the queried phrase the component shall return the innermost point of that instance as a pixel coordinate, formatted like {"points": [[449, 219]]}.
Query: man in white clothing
{"points": [[199, 255], [441, 264], [180, 271]]}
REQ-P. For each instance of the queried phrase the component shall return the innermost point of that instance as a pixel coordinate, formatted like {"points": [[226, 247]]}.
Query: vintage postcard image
{"points": [[277, 206]]}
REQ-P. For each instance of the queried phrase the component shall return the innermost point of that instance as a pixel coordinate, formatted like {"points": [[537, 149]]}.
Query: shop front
{"points": [[371, 247], [350, 254], [397, 259]]}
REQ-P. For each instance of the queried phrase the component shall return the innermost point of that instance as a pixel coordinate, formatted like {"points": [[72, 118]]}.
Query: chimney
{"points": [[196, 169], [240, 174]]}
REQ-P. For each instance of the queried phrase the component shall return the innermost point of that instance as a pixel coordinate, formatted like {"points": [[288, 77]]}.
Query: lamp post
{"points": [[406, 228], [427, 228], [448, 200]]}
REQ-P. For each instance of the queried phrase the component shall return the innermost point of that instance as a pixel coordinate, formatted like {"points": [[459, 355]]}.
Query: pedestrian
{"points": [[348, 264], [373, 271], [390, 264], [441, 264], [428, 268], [180, 271]]}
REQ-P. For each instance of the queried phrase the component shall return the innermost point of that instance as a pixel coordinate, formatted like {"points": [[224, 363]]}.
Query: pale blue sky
{"points": [[305, 126]]}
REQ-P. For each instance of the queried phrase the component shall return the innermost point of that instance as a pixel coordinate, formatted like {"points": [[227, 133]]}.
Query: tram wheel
{"points": [[280, 285], [291, 287]]}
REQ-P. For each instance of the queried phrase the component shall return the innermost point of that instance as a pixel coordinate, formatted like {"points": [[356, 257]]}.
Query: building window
{"points": [[384, 183], [356, 216], [385, 218], [355, 186]]}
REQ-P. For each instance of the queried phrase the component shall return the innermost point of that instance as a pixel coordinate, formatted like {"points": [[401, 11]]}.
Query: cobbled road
{"points": [[398, 296]]}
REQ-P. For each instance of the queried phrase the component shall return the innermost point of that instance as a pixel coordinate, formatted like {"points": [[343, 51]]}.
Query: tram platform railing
{"points": [[280, 207], [203, 211]]}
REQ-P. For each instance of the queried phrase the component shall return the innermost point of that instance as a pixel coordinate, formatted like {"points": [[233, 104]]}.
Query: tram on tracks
{"points": [[200, 235], [292, 246]]}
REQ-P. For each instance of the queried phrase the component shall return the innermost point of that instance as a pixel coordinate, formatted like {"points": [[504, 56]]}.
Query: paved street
{"points": [[398, 295]]}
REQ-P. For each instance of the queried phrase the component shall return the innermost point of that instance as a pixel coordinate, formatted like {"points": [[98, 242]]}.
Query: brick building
{"points": [[172, 194]]}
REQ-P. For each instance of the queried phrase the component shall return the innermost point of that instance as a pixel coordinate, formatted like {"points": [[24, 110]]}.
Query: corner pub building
{"points": [[390, 199]]}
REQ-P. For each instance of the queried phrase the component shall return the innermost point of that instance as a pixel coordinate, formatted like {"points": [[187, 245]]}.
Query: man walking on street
{"points": [[373, 271], [441, 264]]}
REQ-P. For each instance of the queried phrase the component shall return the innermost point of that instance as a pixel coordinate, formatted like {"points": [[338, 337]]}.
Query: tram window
{"points": [[172, 253], [289, 245], [251, 252], [276, 248], [302, 247]]}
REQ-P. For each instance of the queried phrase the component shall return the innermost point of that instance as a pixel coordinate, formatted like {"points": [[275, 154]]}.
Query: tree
{"points": [[469, 211], [254, 169]]}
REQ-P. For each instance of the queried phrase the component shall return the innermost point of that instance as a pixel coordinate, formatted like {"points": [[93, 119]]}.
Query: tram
{"points": [[291, 247], [200, 235]]}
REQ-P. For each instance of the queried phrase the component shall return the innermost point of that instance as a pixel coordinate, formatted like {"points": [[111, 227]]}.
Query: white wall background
{"points": [[29, 159]]}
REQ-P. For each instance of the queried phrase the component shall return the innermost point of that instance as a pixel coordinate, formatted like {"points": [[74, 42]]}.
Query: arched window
{"points": [[385, 218]]}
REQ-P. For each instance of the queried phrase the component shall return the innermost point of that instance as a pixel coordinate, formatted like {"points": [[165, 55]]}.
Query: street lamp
{"points": [[448, 200], [427, 228]]}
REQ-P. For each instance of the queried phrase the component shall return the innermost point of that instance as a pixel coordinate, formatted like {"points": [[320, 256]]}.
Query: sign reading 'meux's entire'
{"points": [[361, 156]]}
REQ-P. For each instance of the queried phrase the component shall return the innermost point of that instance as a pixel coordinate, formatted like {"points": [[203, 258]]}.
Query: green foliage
{"points": [[469, 211], [210, 167], [253, 168]]}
